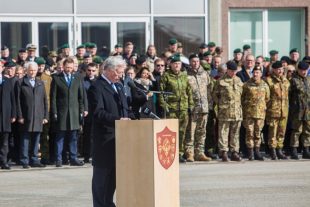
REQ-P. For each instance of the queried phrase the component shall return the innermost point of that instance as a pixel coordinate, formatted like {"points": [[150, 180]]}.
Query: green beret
{"points": [[65, 46], [97, 60], [173, 41], [211, 44], [294, 50], [87, 44], [194, 55], [92, 45], [10, 64], [118, 45], [267, 59], [238, 50], [303, 65], [277, 64], [246, 47], [206, 54], [80, 46], [175, 58], [40, 61], [273, 52]]}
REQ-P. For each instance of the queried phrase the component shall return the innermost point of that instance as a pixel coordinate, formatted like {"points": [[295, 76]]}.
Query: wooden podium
{"points": [[147, 163]]}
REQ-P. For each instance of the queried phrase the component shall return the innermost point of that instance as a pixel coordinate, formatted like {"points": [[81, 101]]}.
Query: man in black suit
{"points": [[108, 103]]}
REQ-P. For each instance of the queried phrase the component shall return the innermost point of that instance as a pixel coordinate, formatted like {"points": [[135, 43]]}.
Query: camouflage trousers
{"points": [[253, 129], [183, 121], [276, 132], [44, 142], [229, 135], [196, 133], [300, 129]]}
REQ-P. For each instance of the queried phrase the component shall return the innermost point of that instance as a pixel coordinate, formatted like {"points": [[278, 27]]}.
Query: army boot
{"points": [[202, 157], [181, 158], [306, 153], [294, 154], [273, 155], [189, 157], [235, 157], [250, 154], [258, 155], [224, 156], [280, 154]]}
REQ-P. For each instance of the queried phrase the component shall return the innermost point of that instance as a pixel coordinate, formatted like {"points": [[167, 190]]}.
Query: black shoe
{"points": [[235, 157], [181, 159], [5, 167], [224, 156], [37, 165], [294, 154], [77, 163], [250, 154], [280, 154], [45, 161], [210, 154], [306, 153], [273, 155], [86, 160], [258, 155], [26, 166], [65, 162], [58, 164]]}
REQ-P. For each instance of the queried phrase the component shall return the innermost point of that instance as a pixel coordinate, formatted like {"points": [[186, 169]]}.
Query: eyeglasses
{"points": [[160, 65]]}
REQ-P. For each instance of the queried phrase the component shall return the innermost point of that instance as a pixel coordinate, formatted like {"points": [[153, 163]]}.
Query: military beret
{"points": [[22, 50], [286, 59], [87, 44], [277, 64], [303, 65], [179, 44], [40, 61], [306, 59], [141, 59], [92, 45], [267, 59], [273, 52], [238, 50], [87, 55], [173, 41], [52, 53], [211, 44], [246, 47], [118, 45], [80, 46], [203, 45], [294, 50], [194, 55], [133, 55], [97, 60], [4, 47], [257, 68], [175, 58], [231, 65], [64, 46], [10, 64], [206, 54], [31, 47]]}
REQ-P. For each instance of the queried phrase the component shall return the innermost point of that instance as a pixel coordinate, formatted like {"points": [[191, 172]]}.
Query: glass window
{"points": [[15, 35], [187, 30], [97, 32], [132, 32], [284, 30], [246, 27], [53, 35]]}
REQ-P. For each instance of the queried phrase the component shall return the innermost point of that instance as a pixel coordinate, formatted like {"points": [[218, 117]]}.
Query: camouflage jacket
{"points": [[277, 107], [200, 83], [255, 97], [299, 98], [178, 84], [227, 96]]}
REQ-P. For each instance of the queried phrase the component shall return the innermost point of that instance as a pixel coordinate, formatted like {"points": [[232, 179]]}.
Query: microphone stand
{"points": [[165, 96]]}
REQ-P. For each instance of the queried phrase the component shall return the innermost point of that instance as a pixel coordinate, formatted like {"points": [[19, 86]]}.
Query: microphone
{"points": [[149, 113]]}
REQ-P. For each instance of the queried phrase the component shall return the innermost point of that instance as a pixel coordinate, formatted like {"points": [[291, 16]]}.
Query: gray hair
{"points": [[112, 62], [29, 64]]}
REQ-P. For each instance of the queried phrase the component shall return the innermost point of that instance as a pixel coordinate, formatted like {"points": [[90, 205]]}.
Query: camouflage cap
{"points": [[40, 61], [303, 65], [277, 64]]}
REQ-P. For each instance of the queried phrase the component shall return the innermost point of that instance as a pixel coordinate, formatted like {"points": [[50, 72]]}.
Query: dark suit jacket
{"points": [[243, 75], [67, 102], [8, 104], [31, 104], [107, 106]]}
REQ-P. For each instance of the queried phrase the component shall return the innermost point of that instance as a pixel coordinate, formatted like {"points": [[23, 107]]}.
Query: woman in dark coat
{"points": [[32, 113]]}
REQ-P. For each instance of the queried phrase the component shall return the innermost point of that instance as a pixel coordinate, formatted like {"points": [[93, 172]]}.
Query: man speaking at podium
{"points": [[108, 103]]}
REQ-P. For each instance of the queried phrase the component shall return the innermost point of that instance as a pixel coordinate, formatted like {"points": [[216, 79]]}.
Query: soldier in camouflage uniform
{"points": [[199, 81], [277, 110], [181, 102], [300, 110], [227, 96], [255, 96]]}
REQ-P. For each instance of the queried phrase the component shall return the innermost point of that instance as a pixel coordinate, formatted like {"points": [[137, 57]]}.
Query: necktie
{"points": [[1, 80], [68, 79], [114, 87], [32, 82]]}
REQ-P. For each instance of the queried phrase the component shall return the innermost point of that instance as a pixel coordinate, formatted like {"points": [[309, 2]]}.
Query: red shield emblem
{"points": [[166, 147]]}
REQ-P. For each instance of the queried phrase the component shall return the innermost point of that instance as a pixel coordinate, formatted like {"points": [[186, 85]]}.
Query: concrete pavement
{"points": [[269, 183]]}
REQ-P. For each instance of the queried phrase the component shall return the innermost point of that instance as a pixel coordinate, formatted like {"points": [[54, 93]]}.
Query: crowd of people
{"points": [[228, 109]]}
